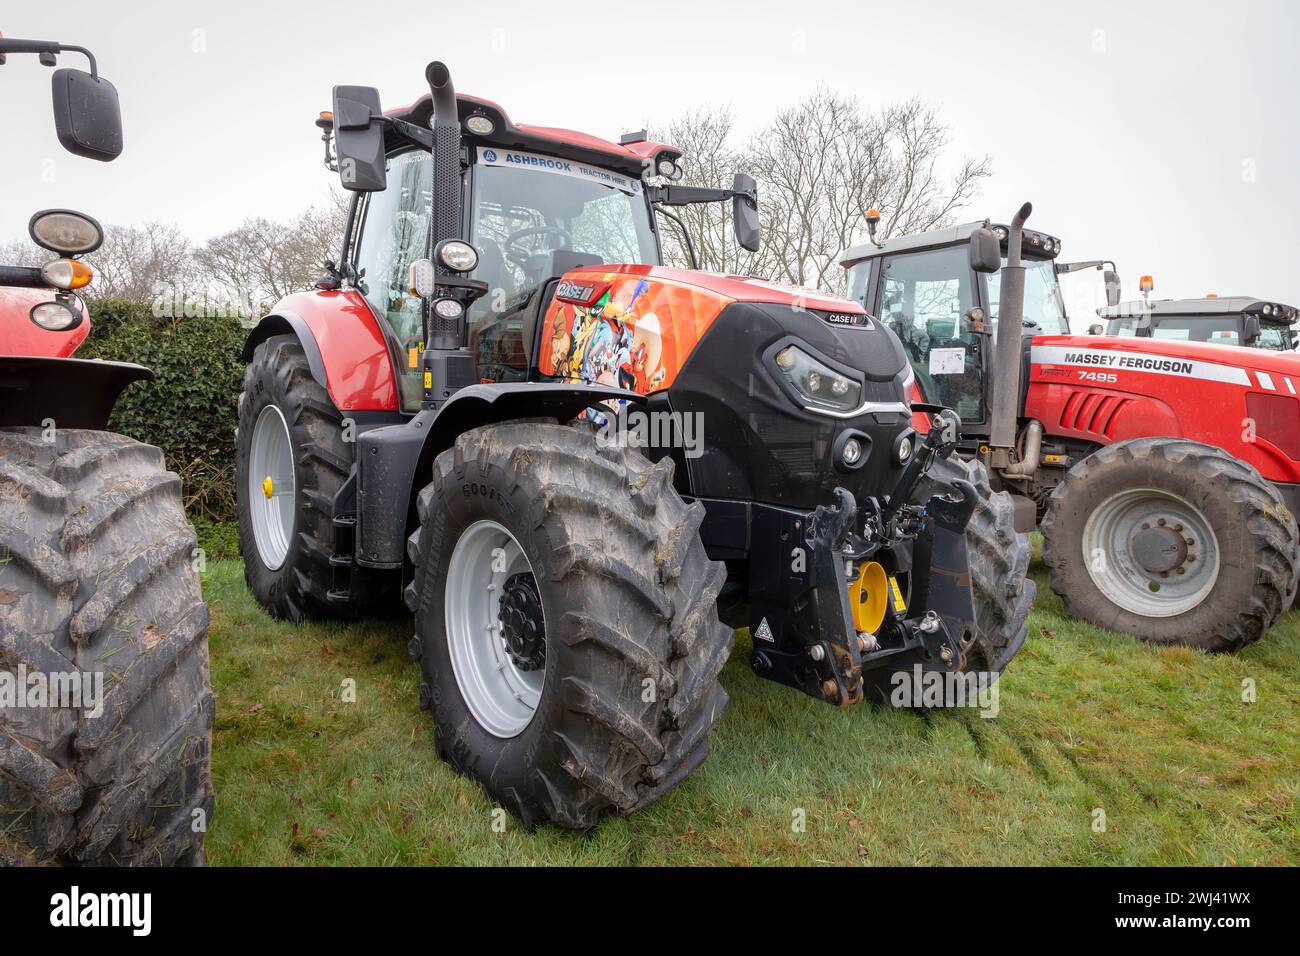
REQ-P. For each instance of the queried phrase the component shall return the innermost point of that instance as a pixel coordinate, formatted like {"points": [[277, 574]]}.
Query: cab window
{"points": [[924, 298], [394, 232]]}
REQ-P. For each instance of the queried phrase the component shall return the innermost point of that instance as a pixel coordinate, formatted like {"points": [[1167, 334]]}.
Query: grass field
{"points": [[1160, 740]]}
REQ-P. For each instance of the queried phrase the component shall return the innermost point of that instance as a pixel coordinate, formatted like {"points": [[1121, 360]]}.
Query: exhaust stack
{"points": [[444, 223], [1005, 412]]}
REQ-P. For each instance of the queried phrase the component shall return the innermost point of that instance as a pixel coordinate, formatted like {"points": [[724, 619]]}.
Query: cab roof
{"points": [[628, 156], [1203, 308], [938, 238]]}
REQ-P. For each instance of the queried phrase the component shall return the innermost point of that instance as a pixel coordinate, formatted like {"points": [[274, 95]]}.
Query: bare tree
{"points": [[820, 166], [261, 261], [24, 253], [135, 261]]}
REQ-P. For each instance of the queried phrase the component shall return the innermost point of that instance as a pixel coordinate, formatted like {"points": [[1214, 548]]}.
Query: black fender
{"points": [[284, 322], [395, 461], [71, 393]]}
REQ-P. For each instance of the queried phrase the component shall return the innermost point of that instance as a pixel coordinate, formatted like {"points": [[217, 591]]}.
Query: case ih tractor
{"points": [[105, 711], [1231, 320], [584, 469], [1165, 474]]}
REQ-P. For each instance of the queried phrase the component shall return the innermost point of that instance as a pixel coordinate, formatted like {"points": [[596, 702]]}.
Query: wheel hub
{"points": [[1159, 548], [521, 622]]}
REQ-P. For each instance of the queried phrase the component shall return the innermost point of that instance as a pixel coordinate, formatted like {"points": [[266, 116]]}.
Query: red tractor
{"points": [[583, 469], [105, 710], [1165, 474]]}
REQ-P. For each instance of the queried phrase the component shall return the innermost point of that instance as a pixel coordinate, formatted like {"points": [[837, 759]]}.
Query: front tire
{"points": [[97, 578], [616, 701], [1172, 541], [290, 461]]}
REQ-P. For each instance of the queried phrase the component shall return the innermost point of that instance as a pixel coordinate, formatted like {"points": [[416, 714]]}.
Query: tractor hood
{"points": [[733, 288], [1130, 351]]}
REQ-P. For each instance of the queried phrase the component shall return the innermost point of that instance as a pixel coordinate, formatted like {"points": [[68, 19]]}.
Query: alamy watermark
{"points": [[636, 428], [945, 689], [21, 689]]}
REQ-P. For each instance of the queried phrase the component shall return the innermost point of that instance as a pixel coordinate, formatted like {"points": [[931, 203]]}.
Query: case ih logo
{"points": [[845, 318], [579, 293]]}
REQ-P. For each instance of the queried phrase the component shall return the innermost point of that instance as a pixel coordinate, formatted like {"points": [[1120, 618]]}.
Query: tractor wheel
{"points": [[566, 622], [290, 461], [999, 563], [1173, 541], [99, 595]]}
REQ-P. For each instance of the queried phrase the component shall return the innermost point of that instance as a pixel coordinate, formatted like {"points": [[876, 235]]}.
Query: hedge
{"points": [[189, 409]]}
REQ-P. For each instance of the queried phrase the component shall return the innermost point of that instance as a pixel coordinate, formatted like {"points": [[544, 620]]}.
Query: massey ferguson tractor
{"points": [[584, 469], [1164, 474], [1227, 320], [105, 711]]}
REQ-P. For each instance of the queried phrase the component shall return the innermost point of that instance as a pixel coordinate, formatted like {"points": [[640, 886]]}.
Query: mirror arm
{"points": [[46, 48], [416, 134], [690, 195]]}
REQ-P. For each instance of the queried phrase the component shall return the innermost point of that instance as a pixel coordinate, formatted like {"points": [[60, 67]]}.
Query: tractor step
{"points": [[343, 558]]}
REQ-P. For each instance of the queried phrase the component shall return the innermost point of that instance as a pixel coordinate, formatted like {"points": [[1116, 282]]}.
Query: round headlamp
{"points": [[480, 125], [447, 309]]}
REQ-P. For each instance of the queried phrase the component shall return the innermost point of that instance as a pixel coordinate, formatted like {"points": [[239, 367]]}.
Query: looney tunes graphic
{"points": [[606, 343]]}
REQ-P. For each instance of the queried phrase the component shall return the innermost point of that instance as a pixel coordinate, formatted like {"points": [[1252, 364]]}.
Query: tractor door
{"points": [[394, 230], [924, 298]]}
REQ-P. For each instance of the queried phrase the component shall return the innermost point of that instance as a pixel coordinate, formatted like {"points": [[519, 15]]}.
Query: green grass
{"points": [[1159, 739]]}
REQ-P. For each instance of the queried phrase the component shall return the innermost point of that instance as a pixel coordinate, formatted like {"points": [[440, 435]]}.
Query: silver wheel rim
{"points": [[271, 488], [500, 695], [1151, 552]]}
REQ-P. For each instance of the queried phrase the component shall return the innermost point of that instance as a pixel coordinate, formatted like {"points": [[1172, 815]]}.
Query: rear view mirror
{"points": [[1251, 331], [1112, 287], [359, 139], [1096, 329], [744, 212], [985, 251], [86, 115]]}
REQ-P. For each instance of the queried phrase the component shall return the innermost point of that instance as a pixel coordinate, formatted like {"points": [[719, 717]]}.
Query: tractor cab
{"points": [[1230, 320], [925, 288], [536, 202]]}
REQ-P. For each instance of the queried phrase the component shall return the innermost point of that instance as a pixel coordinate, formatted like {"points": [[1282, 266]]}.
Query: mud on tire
{"points": [[97, 575], [633, 643], [1257, 541]]}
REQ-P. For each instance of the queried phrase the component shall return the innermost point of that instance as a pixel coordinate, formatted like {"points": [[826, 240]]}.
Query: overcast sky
{"points": [[1161, 135]]}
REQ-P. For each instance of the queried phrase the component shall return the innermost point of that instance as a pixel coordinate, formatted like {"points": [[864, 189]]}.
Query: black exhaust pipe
{"points": [[444, 223], [1007, 351]]}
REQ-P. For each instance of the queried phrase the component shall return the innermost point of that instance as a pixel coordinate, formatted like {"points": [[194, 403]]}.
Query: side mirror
{"points": [[1096, 329], [744, 212], [1252, 330], [87, 115], [359, 139], [985, 251], [1112, 287]]}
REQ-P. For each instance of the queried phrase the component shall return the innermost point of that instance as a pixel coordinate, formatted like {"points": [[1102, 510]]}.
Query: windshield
{"points": [[1044, 312], [1276, 337], [525, 214], [1215, 329]]}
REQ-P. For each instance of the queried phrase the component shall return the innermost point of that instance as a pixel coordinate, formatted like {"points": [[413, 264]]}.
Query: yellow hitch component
{"points": [[268, 487], [899, 604], [868, 597]]}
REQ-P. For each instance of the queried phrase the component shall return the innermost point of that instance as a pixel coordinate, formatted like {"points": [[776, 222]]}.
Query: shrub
{"points": [[189, 409]]}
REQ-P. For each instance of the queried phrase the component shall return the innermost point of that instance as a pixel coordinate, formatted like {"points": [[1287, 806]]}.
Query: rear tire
{"points": [[296, 587], [1146, 505], [633, 646], [97, 577]]}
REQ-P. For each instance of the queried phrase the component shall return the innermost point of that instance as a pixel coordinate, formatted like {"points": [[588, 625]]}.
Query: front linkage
{"points": [[829, 613]]}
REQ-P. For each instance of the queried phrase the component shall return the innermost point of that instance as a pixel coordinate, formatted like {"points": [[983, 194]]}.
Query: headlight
{"points": [[818, 385], [65, 232], [447, 309], [480, 125], [1268, 310], [1000, 232], [55, 316], [457, 256]]}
